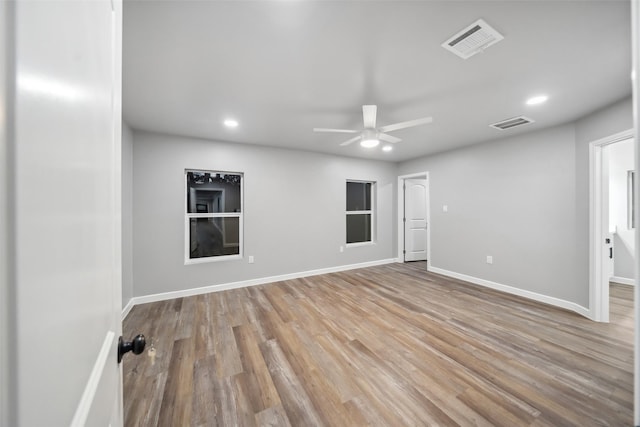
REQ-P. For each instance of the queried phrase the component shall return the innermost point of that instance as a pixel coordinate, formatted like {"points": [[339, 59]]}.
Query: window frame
{"points": [[371, 212], [188, 216]]}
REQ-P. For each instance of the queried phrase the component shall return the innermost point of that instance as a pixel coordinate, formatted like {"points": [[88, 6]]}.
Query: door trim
{"points": [[598, 291], [400, 216], [635, 87]]}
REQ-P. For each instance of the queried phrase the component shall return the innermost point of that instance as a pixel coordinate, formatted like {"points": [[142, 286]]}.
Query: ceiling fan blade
{"points": [[402, 125], [351, 141], [369, 116], [335, 130], [388, 138]]}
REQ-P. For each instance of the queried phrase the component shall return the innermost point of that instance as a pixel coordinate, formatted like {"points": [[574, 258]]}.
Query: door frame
{"points": [[401, 179], [598, 290]]}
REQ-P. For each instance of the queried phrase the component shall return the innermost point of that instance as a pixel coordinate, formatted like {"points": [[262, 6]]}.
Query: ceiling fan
{"points": [[371, 136]]}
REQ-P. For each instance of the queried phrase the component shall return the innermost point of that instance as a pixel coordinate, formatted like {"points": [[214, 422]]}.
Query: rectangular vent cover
{"points": [[512, 122], [473, 39]]}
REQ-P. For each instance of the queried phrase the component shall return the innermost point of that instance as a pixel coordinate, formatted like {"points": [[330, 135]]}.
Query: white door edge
{"points": [[86, 401], [7, 319]]}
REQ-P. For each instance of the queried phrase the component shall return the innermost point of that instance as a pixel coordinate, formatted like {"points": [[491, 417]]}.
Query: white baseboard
{"points": [[127, 308], [622, 280], [583, 311], [246, 283]]}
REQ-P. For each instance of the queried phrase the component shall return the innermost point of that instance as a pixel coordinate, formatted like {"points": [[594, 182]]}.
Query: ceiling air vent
{"points": [[473, 39], [512, 122]]}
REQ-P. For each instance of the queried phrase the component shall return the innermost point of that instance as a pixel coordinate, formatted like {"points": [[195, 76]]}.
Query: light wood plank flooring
{"points": [[392, 345]]}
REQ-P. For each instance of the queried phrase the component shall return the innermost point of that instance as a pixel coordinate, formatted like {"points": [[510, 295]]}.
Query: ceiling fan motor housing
{"points": [[369, 134]]}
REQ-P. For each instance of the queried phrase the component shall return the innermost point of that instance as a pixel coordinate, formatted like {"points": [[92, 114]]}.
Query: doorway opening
{"points": [[611, 211], [413, 218]]}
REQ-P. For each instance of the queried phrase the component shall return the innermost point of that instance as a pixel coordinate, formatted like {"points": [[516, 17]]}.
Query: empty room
{"points": [[319, 213]]}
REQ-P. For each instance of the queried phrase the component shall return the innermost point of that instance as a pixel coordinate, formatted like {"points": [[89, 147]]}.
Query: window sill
{"points": [[356, 245], [212, 259]]}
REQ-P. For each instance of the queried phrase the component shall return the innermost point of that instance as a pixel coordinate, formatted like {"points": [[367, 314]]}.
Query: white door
{"points": [[415, 224], [64, 198]]}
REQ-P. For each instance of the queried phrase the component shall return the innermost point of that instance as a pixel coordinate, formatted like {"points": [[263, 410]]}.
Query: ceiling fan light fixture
{"points": [[387, 148], [369, 139], [369, 143], [371, 135]]}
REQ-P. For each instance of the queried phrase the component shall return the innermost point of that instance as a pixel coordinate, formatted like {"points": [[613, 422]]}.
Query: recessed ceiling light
{"points": [[537, 100], [387, 148], [230, 123]]}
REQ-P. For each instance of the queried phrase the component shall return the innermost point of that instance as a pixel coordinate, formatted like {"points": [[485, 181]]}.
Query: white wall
{"points": [[522, 200], [294, 209], [127, 214], [621, 160]]}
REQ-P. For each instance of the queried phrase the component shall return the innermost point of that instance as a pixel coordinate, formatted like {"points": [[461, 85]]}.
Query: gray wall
{"points": [[127, 214], [510, 199], [522, 200], [294, 211]]}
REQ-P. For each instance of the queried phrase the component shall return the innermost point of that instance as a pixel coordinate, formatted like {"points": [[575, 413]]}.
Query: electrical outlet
{"points": [[489, 259], [250, 259], [445, 208], [341, 248]]}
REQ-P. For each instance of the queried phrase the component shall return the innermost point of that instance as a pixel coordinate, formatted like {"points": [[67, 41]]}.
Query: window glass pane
{"points": [[358, 196], [214, 237], [358, 228], [211, 192]]}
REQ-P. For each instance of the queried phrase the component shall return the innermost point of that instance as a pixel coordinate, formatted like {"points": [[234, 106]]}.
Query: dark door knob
{"points": [[136, 346]]}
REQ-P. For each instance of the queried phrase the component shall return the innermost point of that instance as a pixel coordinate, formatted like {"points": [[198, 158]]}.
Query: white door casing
{"points": [[415, 219], [635, 64], [64, 187], [607, 236], [599, 262]]}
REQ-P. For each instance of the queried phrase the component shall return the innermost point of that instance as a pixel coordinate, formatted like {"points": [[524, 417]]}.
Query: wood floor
{"points": [[392, 345]]}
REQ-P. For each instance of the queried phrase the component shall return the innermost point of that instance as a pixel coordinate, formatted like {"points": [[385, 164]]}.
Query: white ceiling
{"points": [[282, 68]]}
